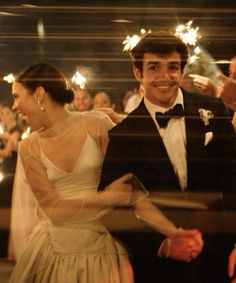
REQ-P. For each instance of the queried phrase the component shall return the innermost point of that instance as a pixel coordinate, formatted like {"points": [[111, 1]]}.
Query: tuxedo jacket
{"points": [[136, 146]]}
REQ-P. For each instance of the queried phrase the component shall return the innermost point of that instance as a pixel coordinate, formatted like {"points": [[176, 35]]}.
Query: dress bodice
{"points": [[83, 179]]}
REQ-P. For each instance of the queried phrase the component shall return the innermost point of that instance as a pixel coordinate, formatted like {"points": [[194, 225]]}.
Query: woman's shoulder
{"points": [[31, 139], [96, 117], [95, 114]]}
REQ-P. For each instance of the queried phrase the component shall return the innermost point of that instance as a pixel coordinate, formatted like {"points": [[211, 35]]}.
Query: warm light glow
{"points": [[131, 41], [1, 129], [192, 59], [9, 78], [1, 176], [189, 36], [41, 29], [25, 133], [78, 79]]}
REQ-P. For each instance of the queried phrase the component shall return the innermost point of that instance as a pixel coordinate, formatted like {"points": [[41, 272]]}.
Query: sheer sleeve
{"points": [[57, 209], [149, 213], [98, 125]]}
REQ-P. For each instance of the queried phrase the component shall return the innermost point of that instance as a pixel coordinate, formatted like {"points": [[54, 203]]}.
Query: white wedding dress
{"points": [[77, 247]]}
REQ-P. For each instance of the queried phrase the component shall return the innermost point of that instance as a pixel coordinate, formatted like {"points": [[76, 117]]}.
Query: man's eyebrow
{"points": [[153, 62], [174, 62], [158, 62]]}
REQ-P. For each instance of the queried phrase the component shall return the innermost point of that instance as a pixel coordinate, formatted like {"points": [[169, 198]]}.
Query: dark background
{"points": [[86, 34]]}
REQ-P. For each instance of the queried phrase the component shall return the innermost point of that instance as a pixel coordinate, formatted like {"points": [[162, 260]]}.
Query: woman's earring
{"points": [[40, 106]]}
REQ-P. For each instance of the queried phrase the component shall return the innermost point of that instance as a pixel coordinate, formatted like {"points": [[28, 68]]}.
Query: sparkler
{"points": [[9, 78], [189, 36], [78, 79], [131, 41]]}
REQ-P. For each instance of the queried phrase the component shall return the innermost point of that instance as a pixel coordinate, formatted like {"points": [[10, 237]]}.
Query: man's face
{"points": [[232, 68], [82, 100], [160, 77]]}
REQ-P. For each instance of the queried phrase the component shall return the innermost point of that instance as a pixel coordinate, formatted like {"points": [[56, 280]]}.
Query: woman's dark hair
{"points": [[159, 43], [48, 77]]}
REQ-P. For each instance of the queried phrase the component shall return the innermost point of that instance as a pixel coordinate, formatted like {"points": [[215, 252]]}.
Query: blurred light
{"points": [[222, 62], [40, 29], [1, 176], [131, 41], [25, 133], [192, 59], [1, 129], [121, 21], [78, 79], [189, 36], [9, 78]]}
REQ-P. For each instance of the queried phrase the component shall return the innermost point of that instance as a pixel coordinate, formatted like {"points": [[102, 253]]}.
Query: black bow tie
{"points": [[163, 118]]}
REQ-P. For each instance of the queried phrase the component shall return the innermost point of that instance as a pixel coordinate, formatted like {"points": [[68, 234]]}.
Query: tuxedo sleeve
{"points": [[116, 162]]}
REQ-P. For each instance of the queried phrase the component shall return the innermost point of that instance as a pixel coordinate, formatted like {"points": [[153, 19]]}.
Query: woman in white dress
{"points": [[57, 232]]}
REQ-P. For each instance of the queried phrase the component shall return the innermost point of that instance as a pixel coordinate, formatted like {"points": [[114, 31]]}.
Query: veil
{"points": [[23, 216]]}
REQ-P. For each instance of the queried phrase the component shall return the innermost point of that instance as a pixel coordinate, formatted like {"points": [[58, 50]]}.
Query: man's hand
{"points": [[184, 245], [203, 84], [232, 265]]}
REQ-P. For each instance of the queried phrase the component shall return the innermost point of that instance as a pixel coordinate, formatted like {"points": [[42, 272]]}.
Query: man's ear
{"points": [[137, 74], [39, 93]]}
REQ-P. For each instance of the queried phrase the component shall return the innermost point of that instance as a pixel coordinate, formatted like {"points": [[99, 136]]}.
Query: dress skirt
{"points": [[81, 253]]}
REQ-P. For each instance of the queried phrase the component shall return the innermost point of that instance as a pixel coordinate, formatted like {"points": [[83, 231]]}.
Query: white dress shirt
{"points": [[174, 138]]}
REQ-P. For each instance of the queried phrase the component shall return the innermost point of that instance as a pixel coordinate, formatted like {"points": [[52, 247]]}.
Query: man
{"points": [[189, 153], [82, 100]]}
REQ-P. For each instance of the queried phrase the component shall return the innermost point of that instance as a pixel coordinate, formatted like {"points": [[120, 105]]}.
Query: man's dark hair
{"points": [[159, 43]]}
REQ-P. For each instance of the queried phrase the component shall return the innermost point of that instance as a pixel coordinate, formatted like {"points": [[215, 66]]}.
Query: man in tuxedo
{"points": [[190, 148]]}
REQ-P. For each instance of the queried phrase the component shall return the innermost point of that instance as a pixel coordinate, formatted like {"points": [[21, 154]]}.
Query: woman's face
{"points": [[7, 116], [25, 104], [101, 100]]}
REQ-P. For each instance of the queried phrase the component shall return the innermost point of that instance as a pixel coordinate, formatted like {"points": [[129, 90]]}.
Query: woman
{"points": [[61, 162], [58, 170]]}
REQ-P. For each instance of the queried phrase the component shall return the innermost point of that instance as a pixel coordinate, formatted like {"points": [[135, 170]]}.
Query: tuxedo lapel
{"points": [[195, 129]]}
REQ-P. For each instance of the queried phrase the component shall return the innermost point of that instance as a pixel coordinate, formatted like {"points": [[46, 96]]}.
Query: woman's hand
{"points": [[119, 193]]}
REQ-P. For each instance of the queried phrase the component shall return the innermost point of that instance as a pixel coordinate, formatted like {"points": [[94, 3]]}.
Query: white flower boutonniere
{"points": [[205, 115]]}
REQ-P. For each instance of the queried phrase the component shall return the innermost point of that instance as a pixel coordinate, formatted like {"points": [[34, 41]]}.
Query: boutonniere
{"points": [[205, 115]]}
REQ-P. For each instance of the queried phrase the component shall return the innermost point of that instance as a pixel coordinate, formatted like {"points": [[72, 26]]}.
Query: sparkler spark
{"points": [[78, 79], [189, 36], [9, 78], [131, 41]]}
